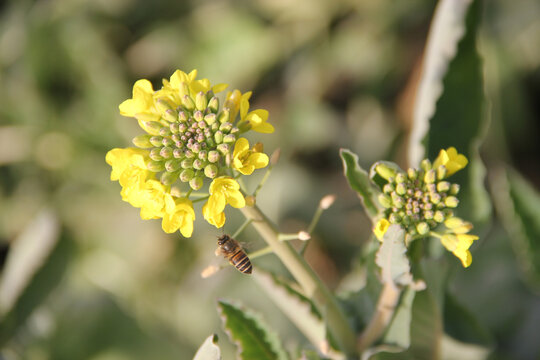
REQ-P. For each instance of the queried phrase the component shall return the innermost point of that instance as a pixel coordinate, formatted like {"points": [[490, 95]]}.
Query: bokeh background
{"points": [[90, 280]]}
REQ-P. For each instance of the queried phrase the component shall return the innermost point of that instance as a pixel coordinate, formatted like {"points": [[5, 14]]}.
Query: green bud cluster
{"points": [[190, 142], [418, 199]]}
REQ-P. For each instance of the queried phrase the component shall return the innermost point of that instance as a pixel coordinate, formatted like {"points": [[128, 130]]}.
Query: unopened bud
{"points": [[438, 216], [224, 116], [198, 116], [304, 236], [201, 101], [170, 115], [187, 102], [178, 153], [187, 163], [430, 176], [173, 165], [435, 198], [152, 127], [229, 139], [142, 141], [327, 201], [167, 141], [189, 154], [443, 186], [213, 104], [196, 183], [425, 165], [210, 171], [162, 105], [451, 201], [168, 178], [218, 137], [441, 172], [182, 116], [210, 119], [454, 189], [385, 200], [223, 148], [155, 166], [213, 156], [250, 200], [174, 128], [394, 218], [422, 228], [186, 175], [412, 174], [388, 188], [385, 171], [155, 154], [198, 164], [166, 152], [401, 177], [401, 189]]}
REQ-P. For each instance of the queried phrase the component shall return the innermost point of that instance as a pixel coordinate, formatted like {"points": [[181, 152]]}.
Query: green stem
{"points": [[312, 286]]}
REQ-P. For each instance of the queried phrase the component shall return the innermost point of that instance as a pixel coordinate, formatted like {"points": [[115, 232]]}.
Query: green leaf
{"points": [[455, 350], [209, 349], [453, 68], [34, 267], [298, 308], [462, 325], [252, 337], [359, 181], [518, 204], [392, 257]]}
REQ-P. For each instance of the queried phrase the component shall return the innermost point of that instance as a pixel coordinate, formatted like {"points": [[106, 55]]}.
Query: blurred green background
{"points": [[86, 278]]}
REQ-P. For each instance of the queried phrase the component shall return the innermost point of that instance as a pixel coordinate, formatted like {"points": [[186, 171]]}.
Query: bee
{"points": [[232, 251]]}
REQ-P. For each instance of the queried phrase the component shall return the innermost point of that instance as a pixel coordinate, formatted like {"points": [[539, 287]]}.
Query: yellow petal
{"points": [[380, 228]]}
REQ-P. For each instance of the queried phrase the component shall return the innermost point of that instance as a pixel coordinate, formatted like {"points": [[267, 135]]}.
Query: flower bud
{"points": [[187, 102], [401, 177], [210, 171], [422, 228], [167, 141], [142, 141], [186, 175], [173, 165], [170, 115], [201, 101], [229, 139], [454, 189], [223, 148], [451, 201], [213, 156], [198, 116], [327, 201], [226, 127], [401, 189], [441, 172], [274, 158], [385, 171], [210, 119], [196, 183], [443, 186], [162, 105], [218, 137], [385, 200], [182, 116], [438, 216], [213, 104], [155, 166], [156, 140], [394, 218], [198, 164], [388, 188], [187, 163], [155, 154], [428, 215], [174, 128], [178, 153], [412, 174], [152, 127], [425, 165], [224, 116], [430, 176], [435, 198], [166, 152], [203, 155], [168, 178]]}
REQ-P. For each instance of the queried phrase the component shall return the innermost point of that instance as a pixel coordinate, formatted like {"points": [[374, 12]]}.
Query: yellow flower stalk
{"points": [[188, 141]]}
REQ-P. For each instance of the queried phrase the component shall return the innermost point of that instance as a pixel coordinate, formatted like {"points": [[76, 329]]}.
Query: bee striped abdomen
{"points": [[241, 262]]}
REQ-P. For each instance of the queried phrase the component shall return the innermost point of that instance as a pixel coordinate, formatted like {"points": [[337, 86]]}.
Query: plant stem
{"points": [[314, 289], [384, 311]]}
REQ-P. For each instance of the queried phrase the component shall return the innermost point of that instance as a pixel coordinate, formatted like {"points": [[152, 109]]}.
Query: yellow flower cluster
{"points": [[188, 139], [454, 237]]}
